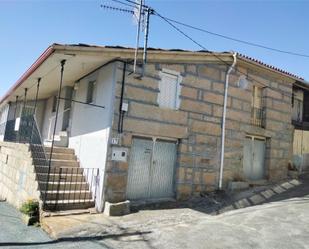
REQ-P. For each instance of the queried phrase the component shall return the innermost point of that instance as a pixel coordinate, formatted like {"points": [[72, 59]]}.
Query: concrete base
{"points": [[293, 174], [237, 186], [117, 209]]}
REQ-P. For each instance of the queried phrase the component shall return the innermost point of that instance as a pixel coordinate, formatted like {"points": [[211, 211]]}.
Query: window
{"points": [[54, 107], [169, 87], [257, 112], [297, 105], [90, 92]]}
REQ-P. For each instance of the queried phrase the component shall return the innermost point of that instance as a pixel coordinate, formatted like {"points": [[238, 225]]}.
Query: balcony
{"points": [[257, 117]]}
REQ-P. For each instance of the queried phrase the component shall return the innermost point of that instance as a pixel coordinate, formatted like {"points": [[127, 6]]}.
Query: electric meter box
{"points": [[119, 154]]}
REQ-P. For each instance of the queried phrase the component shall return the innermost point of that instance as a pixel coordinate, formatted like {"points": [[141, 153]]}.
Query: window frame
{"points": [[178, 79], [257, 106], [54, 104], [90, 94]]}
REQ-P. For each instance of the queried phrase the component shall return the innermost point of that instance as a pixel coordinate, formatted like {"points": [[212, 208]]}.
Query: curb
{"points": [[261, 197]]}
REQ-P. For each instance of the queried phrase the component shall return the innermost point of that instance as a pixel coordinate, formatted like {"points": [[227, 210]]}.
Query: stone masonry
{"points": [[197, 124], [17, 177]]}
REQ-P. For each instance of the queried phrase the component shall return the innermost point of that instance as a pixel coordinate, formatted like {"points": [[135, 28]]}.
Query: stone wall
{"points": [[17, 177], [197, 125]]}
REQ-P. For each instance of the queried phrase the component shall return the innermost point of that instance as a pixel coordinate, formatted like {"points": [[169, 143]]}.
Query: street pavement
{"points": [[15, 234], [281, 223]]}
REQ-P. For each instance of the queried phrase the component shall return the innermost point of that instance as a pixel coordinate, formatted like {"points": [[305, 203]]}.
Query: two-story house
{"points": [[186, 123]]}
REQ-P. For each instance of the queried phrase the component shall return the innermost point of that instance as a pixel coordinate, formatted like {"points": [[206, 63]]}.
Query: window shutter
{"points": [[169, 91]]}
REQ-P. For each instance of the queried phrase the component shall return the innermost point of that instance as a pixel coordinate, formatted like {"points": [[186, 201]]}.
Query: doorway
{"points": [[254, 158], [151, 169]]}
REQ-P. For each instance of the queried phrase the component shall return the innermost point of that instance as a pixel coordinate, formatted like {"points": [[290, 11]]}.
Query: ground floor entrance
{"points": [[151, 169], [254, 158]]}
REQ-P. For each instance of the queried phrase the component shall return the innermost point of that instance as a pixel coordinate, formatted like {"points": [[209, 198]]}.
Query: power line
{"points": [[170, 22], [180, 31], [220, 35], [127, 4], [236, 39], [204, 48], [143, 5]]}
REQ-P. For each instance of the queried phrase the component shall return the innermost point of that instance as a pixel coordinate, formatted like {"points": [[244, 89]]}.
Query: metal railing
{"points": [[70, 186], [57, 184], [258, 117]]}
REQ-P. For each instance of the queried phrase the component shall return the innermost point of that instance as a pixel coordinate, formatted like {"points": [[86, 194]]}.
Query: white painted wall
{"points": [[39, 113], [90, 126], [49, 118]]}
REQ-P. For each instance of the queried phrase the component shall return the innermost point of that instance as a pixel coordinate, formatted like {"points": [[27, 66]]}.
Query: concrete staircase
{"points": [[67, 187]]}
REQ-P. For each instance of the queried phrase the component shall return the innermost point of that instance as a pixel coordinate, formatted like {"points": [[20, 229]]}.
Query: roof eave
{"points": [[49, 51]]}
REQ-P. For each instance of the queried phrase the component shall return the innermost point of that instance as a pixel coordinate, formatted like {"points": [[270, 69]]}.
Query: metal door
{"points": [[151, 169], [254, 158], [162, 170], [139, 169]]}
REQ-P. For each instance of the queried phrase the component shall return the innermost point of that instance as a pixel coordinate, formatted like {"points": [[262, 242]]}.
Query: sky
{"points": [[28, 27]]}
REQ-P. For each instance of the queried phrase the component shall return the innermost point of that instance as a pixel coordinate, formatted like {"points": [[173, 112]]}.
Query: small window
{"points": [[90, 92], [297, 105], [169, 87], [257, 97], [257, 113], [54, 107]]}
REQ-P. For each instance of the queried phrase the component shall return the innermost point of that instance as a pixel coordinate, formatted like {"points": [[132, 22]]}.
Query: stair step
{"points": [[69, 185], [67, 195], [68, 204], [59, 156], [67, 170], [62, 150], [64, 178], [67, 188], [56, 162], [62, 156]]}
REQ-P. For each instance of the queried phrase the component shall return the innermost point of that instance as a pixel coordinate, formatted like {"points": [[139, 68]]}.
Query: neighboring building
{"points": [[151, 137], [300, 120]]}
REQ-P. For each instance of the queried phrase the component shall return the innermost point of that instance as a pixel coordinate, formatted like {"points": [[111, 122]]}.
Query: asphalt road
{"points": [[15, 234], [281, 223]]}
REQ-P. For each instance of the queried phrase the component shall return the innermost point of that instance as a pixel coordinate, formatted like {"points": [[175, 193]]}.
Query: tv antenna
{"points": [[141, 15]]}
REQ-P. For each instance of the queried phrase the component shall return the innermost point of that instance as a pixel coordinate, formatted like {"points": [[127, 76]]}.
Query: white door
{"points": [[151, 169], [139, 169], [162, 169], [254, 158]]}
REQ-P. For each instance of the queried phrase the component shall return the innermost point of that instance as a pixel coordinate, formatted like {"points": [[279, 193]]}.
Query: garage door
{"points": [[254, 158], [151, 169]]}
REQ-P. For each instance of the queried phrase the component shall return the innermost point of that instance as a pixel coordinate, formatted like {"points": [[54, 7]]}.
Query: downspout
{"points": [[227, 78], [121, 113]]}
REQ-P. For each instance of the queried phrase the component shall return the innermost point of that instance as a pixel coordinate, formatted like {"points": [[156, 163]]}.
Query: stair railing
{"points": [[59, 179]]}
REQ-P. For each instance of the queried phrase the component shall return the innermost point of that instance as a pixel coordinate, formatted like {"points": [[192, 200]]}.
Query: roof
{"points": [[270, 66], [54, 47], [197, 51]]}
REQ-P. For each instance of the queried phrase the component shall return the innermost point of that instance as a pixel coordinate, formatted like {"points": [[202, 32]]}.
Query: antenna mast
{"points": [[138, 33]]}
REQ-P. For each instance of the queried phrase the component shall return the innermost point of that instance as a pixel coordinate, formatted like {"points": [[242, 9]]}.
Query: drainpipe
{"points": [[227, 78], [121, 114]]}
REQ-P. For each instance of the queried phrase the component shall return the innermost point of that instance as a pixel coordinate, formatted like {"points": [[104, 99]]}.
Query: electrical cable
{"points": [[204, 48], [236, 39]]}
